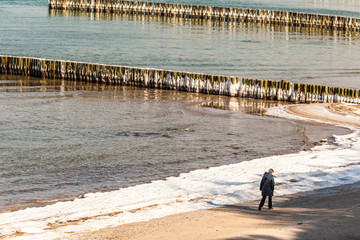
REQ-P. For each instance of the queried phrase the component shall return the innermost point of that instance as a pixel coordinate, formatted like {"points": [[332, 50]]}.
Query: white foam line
{"points": [[323, 166]]}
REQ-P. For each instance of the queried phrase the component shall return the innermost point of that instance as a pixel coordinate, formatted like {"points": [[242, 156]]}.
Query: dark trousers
{"points": [[263, 202]]}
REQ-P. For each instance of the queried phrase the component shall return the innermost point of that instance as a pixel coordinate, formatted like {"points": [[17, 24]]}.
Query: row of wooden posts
{"points": [[173, 80], [210, 12]]}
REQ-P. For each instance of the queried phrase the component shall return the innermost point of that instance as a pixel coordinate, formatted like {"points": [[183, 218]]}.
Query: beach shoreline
{"points": [[309, 141], [313, 186], [331, 213]]}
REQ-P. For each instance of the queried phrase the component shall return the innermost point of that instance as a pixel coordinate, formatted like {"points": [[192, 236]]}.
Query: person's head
{"points": [[271, 171]]}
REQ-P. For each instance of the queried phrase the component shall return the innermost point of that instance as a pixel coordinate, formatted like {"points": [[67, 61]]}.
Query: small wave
{"points": [[180, 129], [165, 133], [7, 81], [250, 41], [137, 134]]}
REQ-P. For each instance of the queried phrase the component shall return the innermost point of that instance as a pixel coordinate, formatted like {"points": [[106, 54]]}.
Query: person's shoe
{"points": [[270, 208], [259, 208]]}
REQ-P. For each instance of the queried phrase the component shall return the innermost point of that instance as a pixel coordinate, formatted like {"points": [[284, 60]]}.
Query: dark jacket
{"points": [[267, 185]]}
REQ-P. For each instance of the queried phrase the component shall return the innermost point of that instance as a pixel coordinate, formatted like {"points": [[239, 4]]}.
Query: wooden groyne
{"points": [[173, 80], [210, 12]]}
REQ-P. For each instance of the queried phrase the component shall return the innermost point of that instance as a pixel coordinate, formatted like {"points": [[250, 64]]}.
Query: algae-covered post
{"points": [[181, 81], [209, 12]]}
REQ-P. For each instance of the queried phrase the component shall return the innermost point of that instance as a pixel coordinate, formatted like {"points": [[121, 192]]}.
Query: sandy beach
{"points": [[330, 213]]}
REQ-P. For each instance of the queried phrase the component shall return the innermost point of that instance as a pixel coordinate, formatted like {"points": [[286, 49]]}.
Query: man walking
{"points": [[267, 188]]}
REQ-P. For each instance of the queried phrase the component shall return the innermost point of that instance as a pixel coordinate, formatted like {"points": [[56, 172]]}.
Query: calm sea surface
{"points": [[294, 54], [61, 139]]}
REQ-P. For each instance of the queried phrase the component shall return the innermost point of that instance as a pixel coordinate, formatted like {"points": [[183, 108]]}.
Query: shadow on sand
{"points": [[331, 213]]}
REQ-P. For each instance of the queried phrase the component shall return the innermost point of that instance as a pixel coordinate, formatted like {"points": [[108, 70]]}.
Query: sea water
{"points": [[314, 56], [61, 139]]}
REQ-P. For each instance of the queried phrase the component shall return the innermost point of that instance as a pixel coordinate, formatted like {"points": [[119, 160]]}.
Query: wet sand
{"points": [[331, 213]]}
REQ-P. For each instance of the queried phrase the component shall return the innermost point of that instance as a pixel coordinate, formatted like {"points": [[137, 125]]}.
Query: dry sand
{"points": [[332, 213]]}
